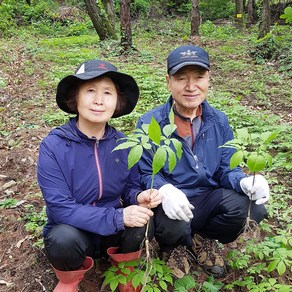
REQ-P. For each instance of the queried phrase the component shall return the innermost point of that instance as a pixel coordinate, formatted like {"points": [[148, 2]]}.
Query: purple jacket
{"points": [[84, 183]]}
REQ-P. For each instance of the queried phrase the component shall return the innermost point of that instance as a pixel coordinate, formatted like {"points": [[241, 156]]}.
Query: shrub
{"points": [[216, 9]]}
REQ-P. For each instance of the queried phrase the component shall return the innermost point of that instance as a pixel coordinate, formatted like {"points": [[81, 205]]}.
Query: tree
{"points": [[195, 21], [265, 22], [110, 9], [251, 15], [239, 13], [126, 32], [101, 23]]}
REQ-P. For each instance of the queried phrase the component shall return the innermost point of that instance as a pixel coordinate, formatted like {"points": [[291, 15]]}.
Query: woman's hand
{"points": [[136, 216], [149, 198]]}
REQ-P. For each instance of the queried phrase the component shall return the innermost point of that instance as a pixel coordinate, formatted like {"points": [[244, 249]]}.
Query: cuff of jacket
{"points": [[238, 187], [120, 219]]}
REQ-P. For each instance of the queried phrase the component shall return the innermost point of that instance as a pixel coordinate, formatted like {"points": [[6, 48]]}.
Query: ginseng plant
{"points": [[163, 149], [251, 152]]}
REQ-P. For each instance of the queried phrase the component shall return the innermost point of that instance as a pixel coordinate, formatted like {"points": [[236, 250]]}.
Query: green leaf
{"points": [[159, 160], [114, 284], [158, 268], [281, 268], [171, 159], [122, 279], [147, 146], [256, 163], [168, 279], [167, 142], [236, 159], [272, 281], [125, 145], [138, 131], [171, 116], [137, 280], [178, 147], [269, 159], [242, 133], [134, 155], [126, 271], [144, 139], [154, 131], [272, 266], [145, 128], [187, 282], [168, 130], [163, 285]]}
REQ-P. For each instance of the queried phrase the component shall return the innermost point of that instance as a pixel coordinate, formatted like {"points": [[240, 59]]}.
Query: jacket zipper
{"points": [[196, 161], [193, 141], [99, 175]]}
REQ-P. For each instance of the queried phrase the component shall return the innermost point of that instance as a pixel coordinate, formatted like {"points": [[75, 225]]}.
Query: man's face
{"points": [[189, 88]]}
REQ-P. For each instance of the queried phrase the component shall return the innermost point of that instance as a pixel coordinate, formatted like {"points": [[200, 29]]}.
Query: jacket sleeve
{"points": [[133, 187], [228, 178], [61, 206]]}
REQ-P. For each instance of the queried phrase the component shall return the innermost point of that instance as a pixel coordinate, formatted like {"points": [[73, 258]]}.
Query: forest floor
{"points": [[24, 267]]}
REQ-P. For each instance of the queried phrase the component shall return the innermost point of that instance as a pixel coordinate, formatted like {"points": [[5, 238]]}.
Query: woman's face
{"points": [[96, 101]]}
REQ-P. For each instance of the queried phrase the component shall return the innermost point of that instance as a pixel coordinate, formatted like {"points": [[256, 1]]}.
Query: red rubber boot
{"points": [[69, 280], [124, 257]]}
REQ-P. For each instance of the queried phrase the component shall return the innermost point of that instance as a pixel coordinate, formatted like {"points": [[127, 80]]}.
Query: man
{"points": [[204, 201]]}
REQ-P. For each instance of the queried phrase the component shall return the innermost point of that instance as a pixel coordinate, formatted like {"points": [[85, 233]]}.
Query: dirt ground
{"points": [[24, 267]]}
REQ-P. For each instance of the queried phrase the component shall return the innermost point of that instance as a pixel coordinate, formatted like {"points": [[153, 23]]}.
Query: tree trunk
{"points": [[195, 22], [239, 13], [265, 22], [110, 9], [126, 31], [251, 17], [101, 24]]}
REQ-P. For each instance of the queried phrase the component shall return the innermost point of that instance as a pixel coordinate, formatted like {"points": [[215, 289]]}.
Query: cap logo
{"points": [[189, 53], [102, 66], [81, 70]]}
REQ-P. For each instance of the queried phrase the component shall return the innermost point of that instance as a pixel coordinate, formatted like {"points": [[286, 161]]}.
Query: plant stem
{"points": [[250, 201], [147, 225]]}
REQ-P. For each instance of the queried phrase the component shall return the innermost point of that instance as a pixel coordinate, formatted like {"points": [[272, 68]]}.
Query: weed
{"points": [[34, 220], [8, 203]]}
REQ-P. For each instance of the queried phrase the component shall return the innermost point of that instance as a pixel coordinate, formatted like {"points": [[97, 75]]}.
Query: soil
{"points": [[23, 266]]}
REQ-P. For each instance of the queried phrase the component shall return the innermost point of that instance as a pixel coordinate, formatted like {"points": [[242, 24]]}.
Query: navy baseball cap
{"points": [[187, 55], [92, 69]]}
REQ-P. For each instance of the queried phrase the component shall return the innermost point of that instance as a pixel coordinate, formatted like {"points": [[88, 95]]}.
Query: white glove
{"points": [[259, 192], [175, 203]]}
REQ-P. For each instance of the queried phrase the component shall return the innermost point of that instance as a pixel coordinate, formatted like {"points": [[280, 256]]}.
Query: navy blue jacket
{"points": [[84, 183], [204, 167]]}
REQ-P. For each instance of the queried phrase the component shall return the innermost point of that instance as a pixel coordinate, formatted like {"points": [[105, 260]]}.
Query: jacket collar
{"points": [[71, 132]]}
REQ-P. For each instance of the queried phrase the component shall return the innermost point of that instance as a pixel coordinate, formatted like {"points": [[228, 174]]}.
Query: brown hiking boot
{"points": [[178, 261], [208, 256]]}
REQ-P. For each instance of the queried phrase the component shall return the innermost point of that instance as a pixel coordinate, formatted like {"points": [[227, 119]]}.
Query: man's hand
{"points": [[175, 203], [149, 198], [259, 191], [136, 216]]}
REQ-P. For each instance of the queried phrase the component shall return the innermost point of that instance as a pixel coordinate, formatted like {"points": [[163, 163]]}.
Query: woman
{"points": [[93, 200]]}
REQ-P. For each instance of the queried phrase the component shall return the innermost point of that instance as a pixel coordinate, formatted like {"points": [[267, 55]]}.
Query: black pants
{"points": [[219, 214], [66, 247]]}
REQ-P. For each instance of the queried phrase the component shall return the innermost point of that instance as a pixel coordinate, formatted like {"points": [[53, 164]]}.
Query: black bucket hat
{"points": [[95, 68]]}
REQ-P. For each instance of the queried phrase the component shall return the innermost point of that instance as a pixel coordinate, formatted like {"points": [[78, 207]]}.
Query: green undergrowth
{"points": [[252, 88]]}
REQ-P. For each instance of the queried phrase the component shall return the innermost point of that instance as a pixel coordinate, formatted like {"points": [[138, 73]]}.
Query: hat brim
{"points": [[126, 83], [173, 70]]}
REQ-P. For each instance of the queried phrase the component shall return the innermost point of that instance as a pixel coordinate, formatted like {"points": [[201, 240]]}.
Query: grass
{"points": [[253, 94]]}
